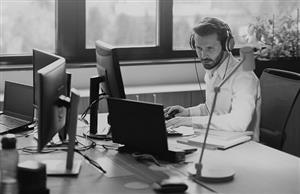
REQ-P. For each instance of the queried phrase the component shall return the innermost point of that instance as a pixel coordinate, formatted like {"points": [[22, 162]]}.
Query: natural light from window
{"points": [[241, 16], [121, 22], [26, 24]]}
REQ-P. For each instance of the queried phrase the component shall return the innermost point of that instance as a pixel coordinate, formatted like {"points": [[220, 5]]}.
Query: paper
{"points": [[215, 141], [184, 130], [225, 135]]}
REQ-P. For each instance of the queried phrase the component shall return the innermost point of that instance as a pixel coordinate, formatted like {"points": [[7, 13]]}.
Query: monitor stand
{"points": [[94, 103], [58, 167], [70, 166], [98, 136]]}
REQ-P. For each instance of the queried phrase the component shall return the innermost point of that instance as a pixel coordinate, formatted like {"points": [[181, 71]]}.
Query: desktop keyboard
{"points": [[173, 133]]}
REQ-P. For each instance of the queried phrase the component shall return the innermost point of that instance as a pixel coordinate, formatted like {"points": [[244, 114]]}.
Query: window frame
{"points": [[70, 21]]}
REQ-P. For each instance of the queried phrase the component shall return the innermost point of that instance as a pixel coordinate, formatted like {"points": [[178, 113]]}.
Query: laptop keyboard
{"points": [[9, 121], [3, 128]]}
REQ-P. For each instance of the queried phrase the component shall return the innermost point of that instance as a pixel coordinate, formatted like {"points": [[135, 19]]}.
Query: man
{"points": [[238, 101]]}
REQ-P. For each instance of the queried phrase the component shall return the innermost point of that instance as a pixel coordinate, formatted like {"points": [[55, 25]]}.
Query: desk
{"points": [[259, 169], [92, 181]]}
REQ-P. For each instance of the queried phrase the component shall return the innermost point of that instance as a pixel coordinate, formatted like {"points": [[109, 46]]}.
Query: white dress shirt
{"points": [[238, 101]]}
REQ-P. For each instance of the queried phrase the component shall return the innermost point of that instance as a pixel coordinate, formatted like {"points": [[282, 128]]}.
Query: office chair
{"points": [[291, 134], [279, 89]]}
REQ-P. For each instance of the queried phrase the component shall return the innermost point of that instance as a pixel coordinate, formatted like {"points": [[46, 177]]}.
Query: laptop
{"points": [[140, 127], [17, 108]]}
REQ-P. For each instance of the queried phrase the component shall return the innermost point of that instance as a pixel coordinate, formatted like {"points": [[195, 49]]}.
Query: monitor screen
{"points": [[40, 59], [108, 66], [14, 105], [51, 117]]}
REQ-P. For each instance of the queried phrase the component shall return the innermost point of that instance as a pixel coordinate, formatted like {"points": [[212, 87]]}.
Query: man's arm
{"points": [[199, 110], [245, 89]]}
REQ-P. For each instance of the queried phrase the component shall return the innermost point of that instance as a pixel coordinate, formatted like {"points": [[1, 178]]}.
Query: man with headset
{"points": [[238, 102]]}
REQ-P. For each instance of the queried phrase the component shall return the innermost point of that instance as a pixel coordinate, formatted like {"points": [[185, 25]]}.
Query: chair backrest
{"points": [[291, 134], [279, 89]]}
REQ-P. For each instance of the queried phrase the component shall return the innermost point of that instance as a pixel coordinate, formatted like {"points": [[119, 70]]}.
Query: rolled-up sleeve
{"points": [[200, 110]]}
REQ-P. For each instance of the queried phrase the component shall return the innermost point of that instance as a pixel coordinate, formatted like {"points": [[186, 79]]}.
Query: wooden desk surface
{"points": [[259, 169], [91, 180]]}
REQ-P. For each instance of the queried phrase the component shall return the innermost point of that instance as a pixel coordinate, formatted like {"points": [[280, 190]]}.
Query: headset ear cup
{"points": [[230, 42], [192, 41]]}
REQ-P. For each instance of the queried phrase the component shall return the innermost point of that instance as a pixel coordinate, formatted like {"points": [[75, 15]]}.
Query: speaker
{"points": [[221, 28]]}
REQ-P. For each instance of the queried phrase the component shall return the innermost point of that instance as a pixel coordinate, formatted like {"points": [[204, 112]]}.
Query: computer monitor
{"points": [[108, 67], [51, 117], [52, 114], [109, 81], [41, 59]]}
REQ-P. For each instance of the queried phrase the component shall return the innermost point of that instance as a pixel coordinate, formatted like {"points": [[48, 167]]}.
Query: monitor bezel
{"points": [[45, 133], [103, 50], [40, 59]]}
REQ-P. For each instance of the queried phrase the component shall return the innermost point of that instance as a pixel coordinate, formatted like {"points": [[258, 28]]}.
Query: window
{"points": [[237, 14], [121, 23], [148, 29], [26, 24]]}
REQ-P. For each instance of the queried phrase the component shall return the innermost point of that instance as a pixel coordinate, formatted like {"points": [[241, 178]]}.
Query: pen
{"points": [[93, 162]]}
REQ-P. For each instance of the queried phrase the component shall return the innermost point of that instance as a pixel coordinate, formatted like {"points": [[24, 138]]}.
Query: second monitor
{"points": [[109, 82]]}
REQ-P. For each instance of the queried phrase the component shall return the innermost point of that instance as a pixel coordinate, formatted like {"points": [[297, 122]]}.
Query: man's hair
{"points": [[210, 26]]}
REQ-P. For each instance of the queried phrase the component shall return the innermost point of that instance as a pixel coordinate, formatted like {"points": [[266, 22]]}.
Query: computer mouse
{"points": [[171, 114], [170, 186]]}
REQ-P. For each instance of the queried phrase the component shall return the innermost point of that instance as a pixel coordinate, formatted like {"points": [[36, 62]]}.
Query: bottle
{"points": [[9, 159]]}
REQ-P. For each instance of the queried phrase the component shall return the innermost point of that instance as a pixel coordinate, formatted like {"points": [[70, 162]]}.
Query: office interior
{"points": [[158, 66]]}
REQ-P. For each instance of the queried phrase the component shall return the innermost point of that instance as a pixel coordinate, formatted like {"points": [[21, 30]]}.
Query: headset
{"points": [[223, 30]]}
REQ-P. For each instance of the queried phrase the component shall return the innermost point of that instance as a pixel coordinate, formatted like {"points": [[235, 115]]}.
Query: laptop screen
{"points": [[138, 125], [18, 100]]}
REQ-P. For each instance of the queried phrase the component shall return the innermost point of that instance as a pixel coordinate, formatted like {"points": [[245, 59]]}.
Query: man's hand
{"points": [[179, 121], [181, 111]]}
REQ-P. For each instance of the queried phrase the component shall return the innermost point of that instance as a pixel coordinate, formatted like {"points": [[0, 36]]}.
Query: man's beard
{"points": [[210, 63]]}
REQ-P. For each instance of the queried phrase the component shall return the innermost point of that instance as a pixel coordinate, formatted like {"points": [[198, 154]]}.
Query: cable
{"points": [[91, 104], [26, 133], [100, 97], [91, 161], [94, 144], [34, 150], [85, 147], [200, 83], [53, 147], [147, 157], [203, 97]]}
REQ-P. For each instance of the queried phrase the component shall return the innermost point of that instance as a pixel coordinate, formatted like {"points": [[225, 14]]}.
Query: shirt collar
{"points": [[220, 71]]}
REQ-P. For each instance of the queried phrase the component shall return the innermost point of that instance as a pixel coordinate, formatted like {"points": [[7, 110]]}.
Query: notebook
{"points": [[140, 126], [218, 139], [17, 108]]}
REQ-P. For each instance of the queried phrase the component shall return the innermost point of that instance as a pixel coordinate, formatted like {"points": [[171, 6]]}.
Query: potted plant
{"points": [[278, 43]]}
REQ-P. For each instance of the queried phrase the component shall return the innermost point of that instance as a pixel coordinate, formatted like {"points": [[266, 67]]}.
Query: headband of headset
{"points": [[219, 27]]}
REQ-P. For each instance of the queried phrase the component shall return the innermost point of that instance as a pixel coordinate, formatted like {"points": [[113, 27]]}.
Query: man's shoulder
{"points": [[245, 77], [247, 73]]}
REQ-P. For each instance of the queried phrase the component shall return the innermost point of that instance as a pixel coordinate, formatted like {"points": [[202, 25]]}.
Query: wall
{"points": [[132, 75]]}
